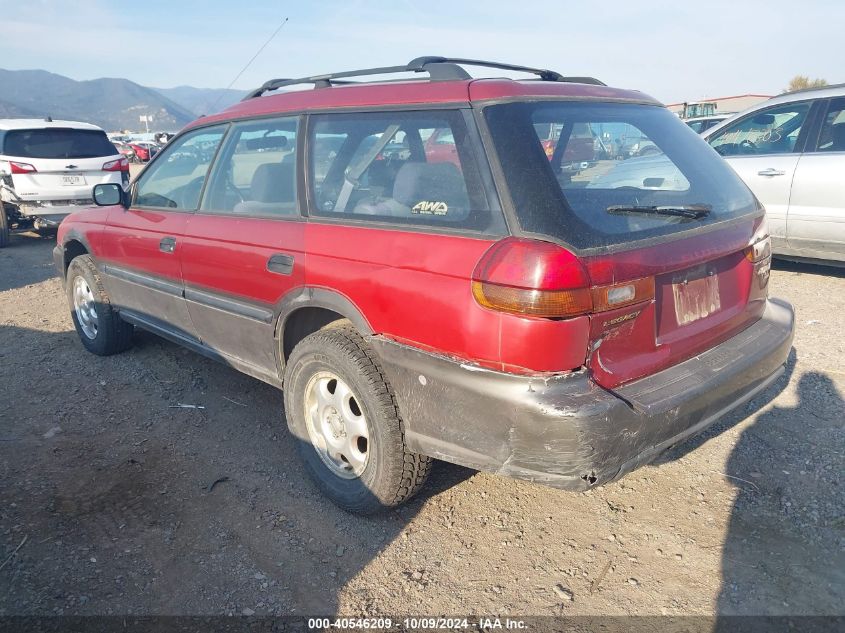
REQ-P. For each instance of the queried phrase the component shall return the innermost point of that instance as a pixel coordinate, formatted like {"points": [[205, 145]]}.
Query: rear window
{"points": [[601, 174], [57, 143]]}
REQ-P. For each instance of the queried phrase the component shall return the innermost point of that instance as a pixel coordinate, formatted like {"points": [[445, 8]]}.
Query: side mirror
{"points": [[109, 194]]}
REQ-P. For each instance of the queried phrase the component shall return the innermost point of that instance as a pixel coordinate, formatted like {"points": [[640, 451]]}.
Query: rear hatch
{"points": [[60, 165], [673, 242]]}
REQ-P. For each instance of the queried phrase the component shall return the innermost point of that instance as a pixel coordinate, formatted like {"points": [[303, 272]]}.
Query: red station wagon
{"points": [[482, 303]]}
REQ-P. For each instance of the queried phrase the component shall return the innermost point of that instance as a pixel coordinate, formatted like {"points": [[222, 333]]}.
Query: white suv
{"points": [[49, 168]]}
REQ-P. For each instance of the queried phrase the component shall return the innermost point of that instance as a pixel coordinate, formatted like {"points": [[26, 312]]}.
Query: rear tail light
{"points": [[622, 294], [759, 253], [759, 250], [534, 278], [22, 168], [121, 164]]}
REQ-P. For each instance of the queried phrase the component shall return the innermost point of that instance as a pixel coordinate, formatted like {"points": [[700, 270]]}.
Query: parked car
{"points": [[700, 124], [484, 309], [144, 150], [125, 150], [47, 170], [791, 151]]}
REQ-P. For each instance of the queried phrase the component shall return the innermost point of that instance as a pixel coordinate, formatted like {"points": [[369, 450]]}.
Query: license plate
{"points": [[73, 180], [696, 298]]}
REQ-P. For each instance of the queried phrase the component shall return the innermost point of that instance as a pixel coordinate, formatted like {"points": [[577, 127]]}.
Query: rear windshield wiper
{"points": [[691, 211]]}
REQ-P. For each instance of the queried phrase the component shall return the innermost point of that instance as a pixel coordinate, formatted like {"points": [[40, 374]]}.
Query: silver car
{"points": [[790, 150]]}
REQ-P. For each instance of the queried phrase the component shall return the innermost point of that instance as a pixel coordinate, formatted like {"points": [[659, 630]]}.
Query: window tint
{"points": [[256, 172], [772, 131], [832, 136], [175, 179], [402, 167], [57, 143], [612, 167]]}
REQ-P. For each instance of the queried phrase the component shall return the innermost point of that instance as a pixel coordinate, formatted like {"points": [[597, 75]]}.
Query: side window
{"points": [[772, 131], [400, 167], [256, 172], [832, 135], [175, 179]]}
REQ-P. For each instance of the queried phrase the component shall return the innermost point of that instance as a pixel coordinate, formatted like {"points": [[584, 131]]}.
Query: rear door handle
{"points": [[167, 244], [281, 263], [771, 172]]}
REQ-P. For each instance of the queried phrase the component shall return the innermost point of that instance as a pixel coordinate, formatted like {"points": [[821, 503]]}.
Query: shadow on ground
{"points": [[128, 503], [26, 260]]}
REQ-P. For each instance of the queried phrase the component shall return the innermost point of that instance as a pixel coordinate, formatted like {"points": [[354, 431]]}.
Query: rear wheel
{"points": [[343, 413], [98, 325], [4, 226]]}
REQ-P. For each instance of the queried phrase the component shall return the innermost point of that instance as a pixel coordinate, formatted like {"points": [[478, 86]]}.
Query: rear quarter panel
{"points": [[415, 288]]}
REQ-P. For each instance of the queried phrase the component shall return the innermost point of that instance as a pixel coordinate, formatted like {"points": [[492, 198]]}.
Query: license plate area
{"points": [[73, 180], [696, 295]]}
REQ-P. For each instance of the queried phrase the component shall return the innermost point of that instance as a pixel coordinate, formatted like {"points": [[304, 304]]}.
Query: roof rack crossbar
{"points": [[438, 69]]}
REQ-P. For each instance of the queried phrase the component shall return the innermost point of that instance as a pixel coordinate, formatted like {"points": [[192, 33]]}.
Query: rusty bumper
{"points": [[564, 430]]}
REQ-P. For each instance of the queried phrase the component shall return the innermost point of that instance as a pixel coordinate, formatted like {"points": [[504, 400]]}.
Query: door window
{"points": [[176, 178], [771, 131], [401, 167], [832, 135], [256, 172]]}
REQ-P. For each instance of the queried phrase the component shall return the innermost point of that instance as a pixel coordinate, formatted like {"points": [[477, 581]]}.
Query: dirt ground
{"points": [[108, 502]]}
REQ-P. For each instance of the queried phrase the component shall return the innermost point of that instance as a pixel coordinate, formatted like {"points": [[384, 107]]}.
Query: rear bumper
{"points": [[564, 430]]}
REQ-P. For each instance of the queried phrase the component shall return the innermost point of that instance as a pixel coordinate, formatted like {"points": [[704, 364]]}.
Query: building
{"points": [[720, 105]]}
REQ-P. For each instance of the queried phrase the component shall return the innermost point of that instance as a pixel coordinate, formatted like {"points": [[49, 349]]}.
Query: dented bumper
{"points": [[564, 430]]}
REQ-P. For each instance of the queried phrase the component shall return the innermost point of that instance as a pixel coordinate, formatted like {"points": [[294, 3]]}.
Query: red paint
{"points": [[415, 287]]}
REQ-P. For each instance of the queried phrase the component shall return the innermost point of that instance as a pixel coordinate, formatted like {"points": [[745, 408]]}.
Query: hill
{"points": [[202, 100], [113, 104]]}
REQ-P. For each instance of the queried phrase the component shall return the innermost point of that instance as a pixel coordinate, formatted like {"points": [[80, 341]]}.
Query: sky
{"points": [[675, 51]]}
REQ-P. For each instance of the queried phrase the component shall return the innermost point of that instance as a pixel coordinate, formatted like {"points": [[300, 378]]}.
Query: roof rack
{"points": [[438, 69]]}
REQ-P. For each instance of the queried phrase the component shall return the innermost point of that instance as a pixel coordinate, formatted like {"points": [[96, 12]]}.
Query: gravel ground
{"points": [[108, 502]]}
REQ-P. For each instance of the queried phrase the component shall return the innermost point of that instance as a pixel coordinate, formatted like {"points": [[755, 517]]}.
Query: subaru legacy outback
{"points": [[425, 276]]}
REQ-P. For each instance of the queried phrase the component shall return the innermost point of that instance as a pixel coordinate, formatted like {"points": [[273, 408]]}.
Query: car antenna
{"points": [[238, 76]]}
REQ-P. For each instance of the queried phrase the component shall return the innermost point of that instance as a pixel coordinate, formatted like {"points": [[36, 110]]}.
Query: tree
{"points": [[802, 82]]}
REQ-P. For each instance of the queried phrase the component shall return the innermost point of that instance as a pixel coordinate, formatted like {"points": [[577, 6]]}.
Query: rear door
{"points": [[763, 147], [243, 250], [59, 163], [143, 245], [816, 218]]}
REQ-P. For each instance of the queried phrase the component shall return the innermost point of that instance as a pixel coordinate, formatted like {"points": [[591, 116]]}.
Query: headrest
{"points": [[273, 182], [430, 183]]}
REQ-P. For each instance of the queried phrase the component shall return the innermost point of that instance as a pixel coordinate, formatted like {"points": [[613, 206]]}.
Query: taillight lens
{"points": [[540, 279], [759, 250], [121, 164], [622, 294], [22, 168]]}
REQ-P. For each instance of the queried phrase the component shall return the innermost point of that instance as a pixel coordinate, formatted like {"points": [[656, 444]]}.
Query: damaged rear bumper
{"points": [[564, 430]]}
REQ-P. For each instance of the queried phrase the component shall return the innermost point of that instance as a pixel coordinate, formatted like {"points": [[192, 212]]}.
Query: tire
{"points": [[391, 473], [4, 226], [102, 332]]}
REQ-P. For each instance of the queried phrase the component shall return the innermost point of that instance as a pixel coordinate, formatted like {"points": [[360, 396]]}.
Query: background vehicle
{"points": [[702, 123], [125, 150], [791, 151], [144, 150], [418, 303], [47, 170]]}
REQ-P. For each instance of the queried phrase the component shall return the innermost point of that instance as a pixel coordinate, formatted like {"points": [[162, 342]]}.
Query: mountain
{"points": [[202, 100], [113, 104]]}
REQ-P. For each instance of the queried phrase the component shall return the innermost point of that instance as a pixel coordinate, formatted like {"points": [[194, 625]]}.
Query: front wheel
{"points": [[343, 413], [98, 325]]}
